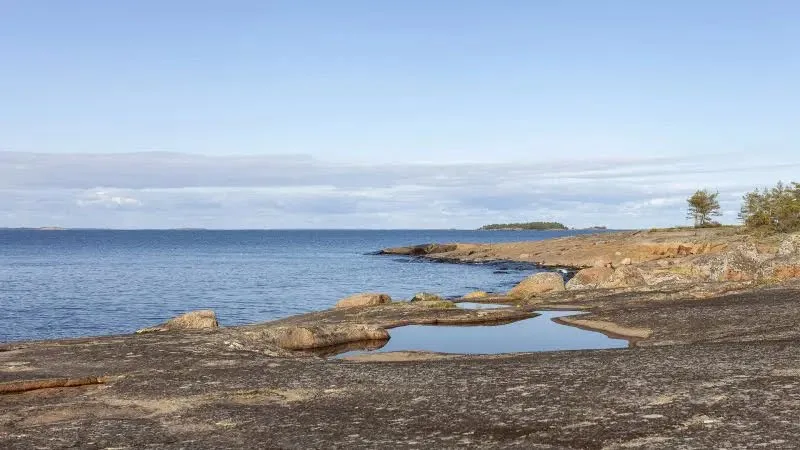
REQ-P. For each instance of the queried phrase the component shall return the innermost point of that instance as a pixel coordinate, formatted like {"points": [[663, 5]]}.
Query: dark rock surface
{"points": [[718, 372]]}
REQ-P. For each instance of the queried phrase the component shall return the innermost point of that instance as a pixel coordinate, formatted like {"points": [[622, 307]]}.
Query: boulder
{"points": [[589, 278], [366, 299], [426, 297], [625, 276], [308, 337], [476, 294], [539, 283], [194, 320]]}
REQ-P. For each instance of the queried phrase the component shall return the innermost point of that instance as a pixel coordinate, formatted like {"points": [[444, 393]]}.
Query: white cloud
{"points": [[106, 199], [154, 190]]}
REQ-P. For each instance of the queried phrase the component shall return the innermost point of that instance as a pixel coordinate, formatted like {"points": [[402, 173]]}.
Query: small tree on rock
{"points": [[703, 205]]}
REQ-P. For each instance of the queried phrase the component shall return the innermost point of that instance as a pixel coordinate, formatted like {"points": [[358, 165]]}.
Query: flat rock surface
{"points": [[588, 250], [719, 372]]}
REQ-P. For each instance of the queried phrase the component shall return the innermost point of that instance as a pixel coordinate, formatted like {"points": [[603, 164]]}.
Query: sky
{"points": [[389, 114]]}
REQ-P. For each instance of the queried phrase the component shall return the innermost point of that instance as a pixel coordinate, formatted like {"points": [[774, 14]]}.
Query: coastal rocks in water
{"points": [[420, 250], [308, 337], [589, 278], [426, 297], [476, 294], [536, 284], [366, 299], [625, 276], [194, 320]]}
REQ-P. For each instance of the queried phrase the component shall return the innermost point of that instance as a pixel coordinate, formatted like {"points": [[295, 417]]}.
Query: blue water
{"points": [[92, 282], [530, 335]]}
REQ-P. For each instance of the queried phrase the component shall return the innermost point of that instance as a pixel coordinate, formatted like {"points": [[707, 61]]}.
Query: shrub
{"points": [[775, 210]]}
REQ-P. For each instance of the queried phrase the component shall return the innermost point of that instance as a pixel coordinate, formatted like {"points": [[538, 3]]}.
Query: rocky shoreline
{"points": [[712, 315]]}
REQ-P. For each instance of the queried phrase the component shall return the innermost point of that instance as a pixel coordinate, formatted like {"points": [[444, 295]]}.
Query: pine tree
{"points": [[703, 205]]}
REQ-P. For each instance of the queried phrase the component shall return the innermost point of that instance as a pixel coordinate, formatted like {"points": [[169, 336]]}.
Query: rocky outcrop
{"points": [[194, 320], [538, 284], [625, 276], [741, 263], [475, 295], [790, 245], [783, 267], [311, 336], [590, 278], [366, 299], [420, 250], [426, 297]]}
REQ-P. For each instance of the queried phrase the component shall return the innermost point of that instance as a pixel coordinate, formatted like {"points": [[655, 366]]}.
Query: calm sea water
{"points": [[92, 282]]}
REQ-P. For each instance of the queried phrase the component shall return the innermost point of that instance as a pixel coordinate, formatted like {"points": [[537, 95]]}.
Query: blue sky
{"points": [[373, 114]]}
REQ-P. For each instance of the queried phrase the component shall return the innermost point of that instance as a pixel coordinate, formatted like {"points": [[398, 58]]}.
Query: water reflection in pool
{"points": [[538, 334]]}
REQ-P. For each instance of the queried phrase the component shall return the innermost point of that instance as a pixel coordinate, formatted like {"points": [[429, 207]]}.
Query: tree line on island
{"points": [[768, 210], [525, 226]]}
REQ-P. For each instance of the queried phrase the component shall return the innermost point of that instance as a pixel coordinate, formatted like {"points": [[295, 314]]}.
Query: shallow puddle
{"points": [[538, 334]]}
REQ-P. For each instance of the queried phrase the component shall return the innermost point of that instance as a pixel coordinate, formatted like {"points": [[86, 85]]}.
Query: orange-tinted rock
{"points": [[539, 283], [589, 278], [366, 299]]}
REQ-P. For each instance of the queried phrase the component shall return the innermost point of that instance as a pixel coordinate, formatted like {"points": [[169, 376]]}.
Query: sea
{"points": [[74, 283]]}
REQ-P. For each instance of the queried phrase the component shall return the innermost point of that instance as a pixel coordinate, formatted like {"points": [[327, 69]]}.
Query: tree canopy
{"points": [[772, 210], [703, 205], [525, 226]]}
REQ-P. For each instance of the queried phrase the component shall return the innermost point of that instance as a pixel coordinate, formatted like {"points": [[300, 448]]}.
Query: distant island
{"points": [[525, 226]]}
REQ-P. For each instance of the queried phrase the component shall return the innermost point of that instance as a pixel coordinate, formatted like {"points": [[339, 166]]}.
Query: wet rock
{"points": [[194, 320], [625, 276], [366, 299], [589, 278], [420, 250], [426, 297], [539, 283], [476, 294]]}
